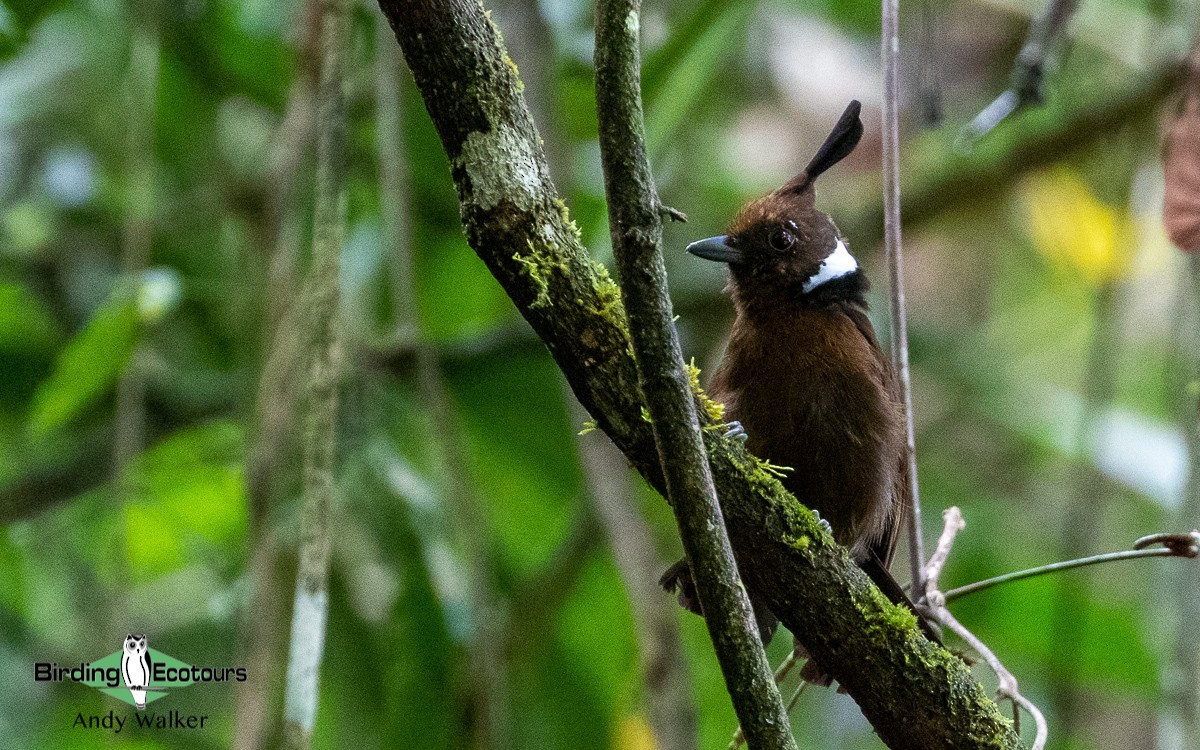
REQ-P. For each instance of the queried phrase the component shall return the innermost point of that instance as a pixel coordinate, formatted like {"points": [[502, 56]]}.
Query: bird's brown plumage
{"points": [[804, 373]]}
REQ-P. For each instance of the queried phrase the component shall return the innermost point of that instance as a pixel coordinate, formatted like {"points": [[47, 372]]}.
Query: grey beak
{"points": [[715, 248]]}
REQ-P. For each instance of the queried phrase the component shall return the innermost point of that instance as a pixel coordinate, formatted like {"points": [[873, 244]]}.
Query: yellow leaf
{"points": [[634, 733], [1075, 230]]}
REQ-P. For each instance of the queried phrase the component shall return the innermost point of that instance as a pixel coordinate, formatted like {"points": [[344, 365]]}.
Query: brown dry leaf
{"points": [[1181, 171]]}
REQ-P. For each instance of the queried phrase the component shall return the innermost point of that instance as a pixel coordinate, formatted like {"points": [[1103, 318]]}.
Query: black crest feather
{"points": [[841, 141]]}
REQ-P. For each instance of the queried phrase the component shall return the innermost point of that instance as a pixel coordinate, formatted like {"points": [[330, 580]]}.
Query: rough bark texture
{"points": [[634, 217], [914, 693]]}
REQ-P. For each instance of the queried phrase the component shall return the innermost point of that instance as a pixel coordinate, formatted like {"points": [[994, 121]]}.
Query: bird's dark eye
{"points": [[782, 239]]}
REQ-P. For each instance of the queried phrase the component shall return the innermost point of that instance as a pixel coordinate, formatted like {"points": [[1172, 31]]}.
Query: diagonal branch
{"points": [[635, 220], [915, 693]]}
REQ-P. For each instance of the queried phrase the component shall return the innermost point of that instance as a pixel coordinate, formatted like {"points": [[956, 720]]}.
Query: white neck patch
{"points": [[838, 264]]}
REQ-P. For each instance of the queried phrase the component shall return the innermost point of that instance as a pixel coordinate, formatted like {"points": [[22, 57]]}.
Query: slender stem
{"points": [[1008, 683], [895, 257], [320, 302], [489, 696], [636, 227], [796, 696], [256, 701], [289, 160], [129, 418], [1132, 554]]}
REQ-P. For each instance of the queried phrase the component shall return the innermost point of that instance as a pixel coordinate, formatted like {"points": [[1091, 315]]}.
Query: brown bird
{"points": [[803, 375]]}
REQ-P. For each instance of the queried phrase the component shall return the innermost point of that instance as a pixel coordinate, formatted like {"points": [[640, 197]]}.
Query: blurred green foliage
{"points": [[1006, 280]]}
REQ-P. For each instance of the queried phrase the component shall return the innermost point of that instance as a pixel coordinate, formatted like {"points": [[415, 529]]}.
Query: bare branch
{"points": [[955, 523], [141, 81], [895, 258], [1173, 545]]}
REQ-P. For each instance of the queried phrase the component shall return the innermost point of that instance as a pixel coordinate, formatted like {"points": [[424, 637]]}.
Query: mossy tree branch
{"points": [[634, 216], [915, 693]]}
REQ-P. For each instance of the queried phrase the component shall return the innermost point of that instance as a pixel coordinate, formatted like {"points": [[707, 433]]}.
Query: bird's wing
{"points": [[885, 548]]}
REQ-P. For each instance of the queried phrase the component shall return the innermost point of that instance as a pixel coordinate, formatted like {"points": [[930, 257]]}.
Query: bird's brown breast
{"points": [[814, 393]]}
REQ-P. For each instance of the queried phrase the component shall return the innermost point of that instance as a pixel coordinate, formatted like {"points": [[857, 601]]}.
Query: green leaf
{"points": [[89, 365], [688, 71]]}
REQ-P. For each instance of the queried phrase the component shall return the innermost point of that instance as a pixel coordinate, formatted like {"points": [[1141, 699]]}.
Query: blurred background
{"points": [[493, 580]]}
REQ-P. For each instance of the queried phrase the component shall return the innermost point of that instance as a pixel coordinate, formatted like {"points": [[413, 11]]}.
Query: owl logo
{"points": [[135, 668]]}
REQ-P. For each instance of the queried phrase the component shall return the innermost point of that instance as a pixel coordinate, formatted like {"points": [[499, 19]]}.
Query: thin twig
{"points": [[256, 702], [395, 216], [895, 258], [489, 690], [954, 523], [635, 220], [1008, 684], [796, 696], [1176, 545], [288, 168]]}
